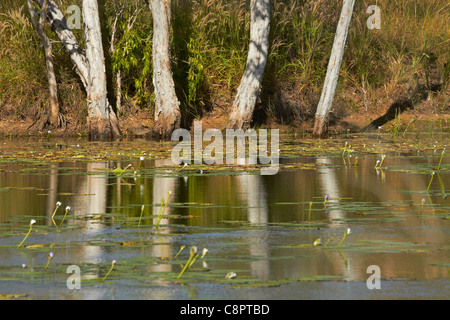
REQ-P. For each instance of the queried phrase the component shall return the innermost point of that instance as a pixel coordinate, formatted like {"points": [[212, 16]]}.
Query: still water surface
{"points": [[260, 227]]}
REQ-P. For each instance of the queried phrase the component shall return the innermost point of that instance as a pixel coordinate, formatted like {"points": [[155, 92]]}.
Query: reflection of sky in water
{"points": [[243, 215]]}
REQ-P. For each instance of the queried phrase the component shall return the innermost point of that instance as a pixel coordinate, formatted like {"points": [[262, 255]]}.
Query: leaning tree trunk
{"points": [[250, 86], [332, 76], [53, 87], [81, 63], [59, 25], [100, 122], [167, 110]]}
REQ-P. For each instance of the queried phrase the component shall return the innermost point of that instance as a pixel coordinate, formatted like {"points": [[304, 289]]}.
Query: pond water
{"points": [[265, 229]]}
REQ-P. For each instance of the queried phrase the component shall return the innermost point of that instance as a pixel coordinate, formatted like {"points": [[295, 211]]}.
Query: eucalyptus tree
{"points": [[250, 85], [334, 65], [99, 109]]}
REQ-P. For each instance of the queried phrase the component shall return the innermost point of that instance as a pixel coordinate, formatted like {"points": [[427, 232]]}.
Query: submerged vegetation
{"points": [[407, 56]]}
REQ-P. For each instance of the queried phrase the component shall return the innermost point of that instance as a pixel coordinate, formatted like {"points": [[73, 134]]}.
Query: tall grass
{"points": [[22, 80]]}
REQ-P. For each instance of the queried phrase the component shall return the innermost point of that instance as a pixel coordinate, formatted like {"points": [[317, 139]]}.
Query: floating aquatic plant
{"points": [[29, 231], [440, 161], [68, 208], [58, 204], [139, 165], [230, 275], [113, 263], [119, 171], [140, 162], [429, 184], [142, 211], [162, 209], [192, 257], [345, 149], [309, 214], [347, 232], [326, 198], [184, 166], [379, 163], [328, 241], [383, 156], [179, 251], [50, 257]]}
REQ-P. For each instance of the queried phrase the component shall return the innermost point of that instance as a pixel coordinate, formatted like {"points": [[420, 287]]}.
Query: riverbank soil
{"points": [[353, 112]]}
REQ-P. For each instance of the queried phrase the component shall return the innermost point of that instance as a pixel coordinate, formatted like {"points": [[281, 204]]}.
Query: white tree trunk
{"points": [[98, 127], [250, 86], [71, 46], [98, 113], [53, 87], [167, 110], [334, 66]]}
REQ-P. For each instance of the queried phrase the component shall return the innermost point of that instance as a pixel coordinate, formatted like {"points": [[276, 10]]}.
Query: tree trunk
{"points": [[59, 25], [99, 109], [250, 86], [53, 87], [332, 76], [108, 128], [167, 110]]}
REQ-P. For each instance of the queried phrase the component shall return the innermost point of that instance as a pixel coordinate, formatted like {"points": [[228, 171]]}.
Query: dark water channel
{"points": [[260, 227]]}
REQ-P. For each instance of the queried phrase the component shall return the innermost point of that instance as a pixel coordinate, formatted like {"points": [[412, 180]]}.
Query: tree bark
{"points": [[98, 113], [55, 120], [167, 110], [250, 86], [59, 25], [99, 128], [332, 76]]}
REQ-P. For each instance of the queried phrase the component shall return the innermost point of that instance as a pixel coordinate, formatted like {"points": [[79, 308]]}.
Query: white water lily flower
{"points": [[114, 262], [142, 158], [204, 252], [58, 203], [68, 208], [193, 251], [349, 231], [51, 254], [32, 222]]}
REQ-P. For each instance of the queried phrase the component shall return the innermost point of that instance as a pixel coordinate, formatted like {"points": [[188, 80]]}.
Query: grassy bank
{"points": [[209, 47]]}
